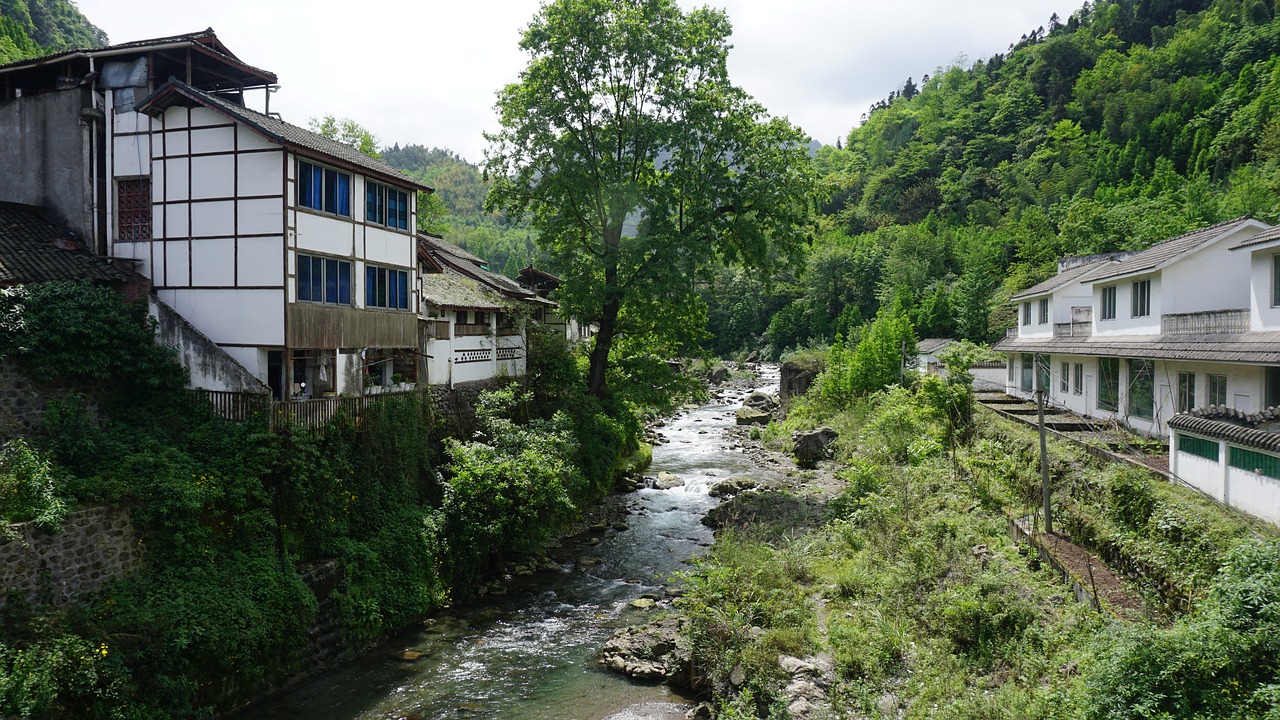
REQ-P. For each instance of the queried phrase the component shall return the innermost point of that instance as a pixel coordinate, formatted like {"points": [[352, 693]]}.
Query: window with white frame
{"points": [[1217, 390], [1064, 381], [1108, 309], [324, 280], [1026, 313], [1077, 379], [385, 205], [1044, 311], [1140, 302], [386, 288], [1275, 280], [1186, 391], [324, 189]]}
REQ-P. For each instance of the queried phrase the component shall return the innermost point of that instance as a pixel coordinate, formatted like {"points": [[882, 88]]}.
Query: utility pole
{"points": [[1044, 452]]}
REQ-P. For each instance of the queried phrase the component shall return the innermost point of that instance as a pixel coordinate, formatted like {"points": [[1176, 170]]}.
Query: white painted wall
{"points": [[237, 317], [1213, 278], [1124, 323], [1263, 315], [1255, 494]]}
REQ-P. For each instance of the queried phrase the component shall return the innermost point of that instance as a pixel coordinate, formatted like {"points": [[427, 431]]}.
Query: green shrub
{"points": [[27, 491], [1130, 499], [982, 618]]}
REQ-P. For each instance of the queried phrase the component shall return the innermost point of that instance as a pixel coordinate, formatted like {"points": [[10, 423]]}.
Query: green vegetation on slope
{"points": [[1131, 123], [913, 589], [29, 28], [231, 514]]}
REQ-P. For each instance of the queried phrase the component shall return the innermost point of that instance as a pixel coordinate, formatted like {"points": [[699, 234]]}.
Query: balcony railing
{"points": [[436, 329], [1205, 323], [1073, 329], [470, 330]]}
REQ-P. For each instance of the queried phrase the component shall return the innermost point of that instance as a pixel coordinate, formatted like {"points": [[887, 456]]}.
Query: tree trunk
{"points": [[600, 352]]}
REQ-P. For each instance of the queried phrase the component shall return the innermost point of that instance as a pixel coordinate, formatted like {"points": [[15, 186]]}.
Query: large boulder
{"points": [[667, 481], [732, 486], [762, 401], [814, 445], [719, 375], [648, 652], [752, 416], [796, 379]]}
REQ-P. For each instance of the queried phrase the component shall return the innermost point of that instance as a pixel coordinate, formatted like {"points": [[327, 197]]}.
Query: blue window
{"points": [[386, 288], [324, 280], [324, 189], [385, 205]]}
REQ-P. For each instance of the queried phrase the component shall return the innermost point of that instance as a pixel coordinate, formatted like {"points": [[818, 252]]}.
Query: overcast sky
{"points": [[426, 72]]}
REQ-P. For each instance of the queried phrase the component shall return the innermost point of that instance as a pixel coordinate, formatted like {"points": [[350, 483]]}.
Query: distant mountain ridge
{"points": [[30, 28]]}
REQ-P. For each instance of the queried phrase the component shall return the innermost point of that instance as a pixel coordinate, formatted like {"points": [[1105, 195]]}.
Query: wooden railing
{"points": [[1205, 323], [470, 330], [238, 406], [307, 413], [508, 331], [436, 329]]}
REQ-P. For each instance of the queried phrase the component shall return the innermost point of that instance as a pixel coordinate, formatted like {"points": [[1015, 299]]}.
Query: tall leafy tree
{"points": [[640, 163]]}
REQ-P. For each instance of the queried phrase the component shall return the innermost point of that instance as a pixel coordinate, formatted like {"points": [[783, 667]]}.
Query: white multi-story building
{"points": [[293, 254], [1182, 338]]}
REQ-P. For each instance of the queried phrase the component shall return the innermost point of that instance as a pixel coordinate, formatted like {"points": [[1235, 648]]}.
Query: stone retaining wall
{"points": [[94, 547]]}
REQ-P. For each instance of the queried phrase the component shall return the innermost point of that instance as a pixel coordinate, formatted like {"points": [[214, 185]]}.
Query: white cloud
{"points": [[427, 72]]}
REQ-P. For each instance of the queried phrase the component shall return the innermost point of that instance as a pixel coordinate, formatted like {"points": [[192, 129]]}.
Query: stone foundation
{"points": [[94, 547]]}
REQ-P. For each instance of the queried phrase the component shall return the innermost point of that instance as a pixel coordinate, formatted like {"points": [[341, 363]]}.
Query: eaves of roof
{"points": [[205, 41], [278, 131], [451, 289], [1265, 237], [1060, 280], [1250, 348], [1164, 253], [1217, 429]]}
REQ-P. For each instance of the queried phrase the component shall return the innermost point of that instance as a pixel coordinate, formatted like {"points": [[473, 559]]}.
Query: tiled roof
{"points": [[1256, 348], [275, 129], [1061, 279], [929, 345], [1265, 236], [1209, 427], [33, 249], [206, 40], [470, 265], [452, 289], [1164, 252]]}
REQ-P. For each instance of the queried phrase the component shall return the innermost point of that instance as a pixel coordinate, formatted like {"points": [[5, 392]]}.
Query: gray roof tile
{"points": [[1210, 427], [1163, 252], [1265, 236], [452, 289], [1061, 279], [1256, 348], [277, 130], [33, 249]]}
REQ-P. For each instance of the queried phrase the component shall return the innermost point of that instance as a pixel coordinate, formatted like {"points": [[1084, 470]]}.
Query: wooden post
{"points": [[1044, 454]]}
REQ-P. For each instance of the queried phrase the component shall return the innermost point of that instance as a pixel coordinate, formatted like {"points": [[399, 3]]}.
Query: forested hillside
{"points": [[461, 189], [29, 28], [1130, 122]]}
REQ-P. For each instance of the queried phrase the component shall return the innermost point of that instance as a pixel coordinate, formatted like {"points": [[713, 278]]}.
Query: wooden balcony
{"points": [[470, 330], [1205, 323]]}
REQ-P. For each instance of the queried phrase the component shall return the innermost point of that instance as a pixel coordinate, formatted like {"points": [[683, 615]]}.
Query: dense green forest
{"points": [[1131, 122], [29, 28], [461, 189]]}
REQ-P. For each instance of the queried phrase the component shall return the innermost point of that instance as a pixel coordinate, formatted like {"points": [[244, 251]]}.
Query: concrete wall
{"points": [[1212, 279], [1264, 313], [93, 548], [1124, 323], [210, 367], [1244, 490], [48, 142]]}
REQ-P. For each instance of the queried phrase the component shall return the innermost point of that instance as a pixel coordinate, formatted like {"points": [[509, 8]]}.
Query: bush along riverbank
{"points": [[232, 516], [884, 583]]}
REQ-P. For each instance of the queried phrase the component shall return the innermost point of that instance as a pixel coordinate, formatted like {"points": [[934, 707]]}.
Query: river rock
{"points": [[814, 445], [806, 694], [719, 375], [732, 486], [763, 401], [643, 603], [667, 480], [407, 656], [648, 652], [752, 416]]}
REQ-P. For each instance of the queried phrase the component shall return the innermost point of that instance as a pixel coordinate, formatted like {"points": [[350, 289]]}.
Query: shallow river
{"points": [[530, 654]]}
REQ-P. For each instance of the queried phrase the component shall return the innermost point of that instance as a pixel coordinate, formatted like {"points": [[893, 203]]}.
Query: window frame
{"points": [[1108, 384], [1186, 391], [1275, 280], [1044, 311], [1140, 299], [1026, 312], [1064, 382], [1077, 378], [380, 208], [1107, 304], [134, 213], [386, 288], [1217, 390], [329, 267], [334, 194], [1141, 371]]}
